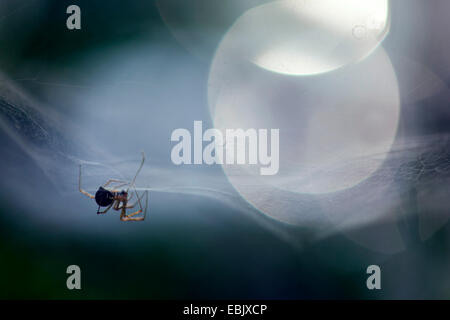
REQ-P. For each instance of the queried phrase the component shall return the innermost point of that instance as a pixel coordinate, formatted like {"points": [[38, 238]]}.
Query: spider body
{"points": [[118, 199], [104, 197]]}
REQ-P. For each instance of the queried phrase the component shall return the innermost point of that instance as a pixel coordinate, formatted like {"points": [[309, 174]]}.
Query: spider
{"points": [[110, 196]]}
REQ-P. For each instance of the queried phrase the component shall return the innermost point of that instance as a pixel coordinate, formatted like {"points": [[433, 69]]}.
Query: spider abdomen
{"points": [[104, 197]]}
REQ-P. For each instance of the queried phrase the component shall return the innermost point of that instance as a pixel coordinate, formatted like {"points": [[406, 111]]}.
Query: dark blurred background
{"points": [[190, 246]]}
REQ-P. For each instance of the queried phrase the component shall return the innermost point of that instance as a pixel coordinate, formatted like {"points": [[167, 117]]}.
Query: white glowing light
{"points": [[335, 129], [311, 36]]}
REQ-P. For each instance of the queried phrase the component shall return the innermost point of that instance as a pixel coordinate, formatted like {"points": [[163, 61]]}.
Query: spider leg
{"points": [[81, 190], [122, 183], [127, 206], [131, 197], [144, 210], [117, 205], [126, 218], [123, 214], [130, 217], [131, 206], [134, 213], [139, 170], [106, 210], [146, 203]]}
